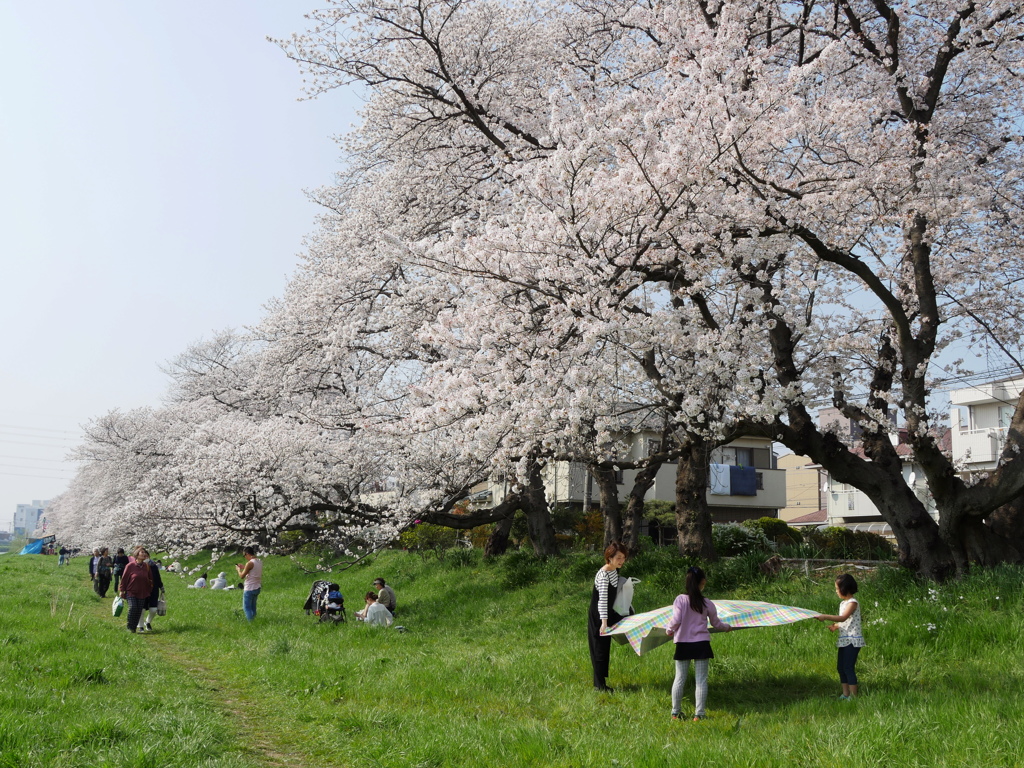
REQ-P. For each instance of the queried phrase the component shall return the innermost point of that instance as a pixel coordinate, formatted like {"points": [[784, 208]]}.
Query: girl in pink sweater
{"points": [[691, 613]]}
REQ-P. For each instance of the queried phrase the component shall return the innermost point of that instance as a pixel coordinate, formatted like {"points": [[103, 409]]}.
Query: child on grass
{"points": [[691, 613], [850, 641]]}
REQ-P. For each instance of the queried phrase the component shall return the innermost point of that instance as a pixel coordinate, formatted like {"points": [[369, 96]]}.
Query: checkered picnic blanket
{"points": [[644, 631]]}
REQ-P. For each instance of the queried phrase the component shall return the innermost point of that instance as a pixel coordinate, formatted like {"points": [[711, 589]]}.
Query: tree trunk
{"points": [[1008, 522], [693, 516], [611, 509], [633, 518], [538, 516], [497, 542]]}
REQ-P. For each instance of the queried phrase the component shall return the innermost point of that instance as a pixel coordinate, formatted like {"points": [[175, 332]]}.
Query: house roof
{"points": [[812, 518]]}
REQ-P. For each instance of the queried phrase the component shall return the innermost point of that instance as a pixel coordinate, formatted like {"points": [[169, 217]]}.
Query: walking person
{"points": [[120, 561], [136, 586], [104, 566], [251, 573], [93, 563], [601, 614], [153, 600], [63, 552], [850, 639], [688, 626]]}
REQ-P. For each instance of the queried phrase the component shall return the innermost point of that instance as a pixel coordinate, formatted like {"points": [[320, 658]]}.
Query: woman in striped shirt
{"points": [[602, 615]]}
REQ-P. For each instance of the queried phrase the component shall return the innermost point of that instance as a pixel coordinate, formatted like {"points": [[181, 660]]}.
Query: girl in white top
{"points": [[850, 640]]}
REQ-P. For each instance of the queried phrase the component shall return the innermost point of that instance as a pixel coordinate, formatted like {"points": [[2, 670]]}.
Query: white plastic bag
{"points": [[624, 596], [117, 606]]}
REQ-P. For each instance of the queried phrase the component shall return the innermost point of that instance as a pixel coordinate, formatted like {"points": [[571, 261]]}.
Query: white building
{"points": [[570, 482], [979, 417], [29, 517], [978, 420]]}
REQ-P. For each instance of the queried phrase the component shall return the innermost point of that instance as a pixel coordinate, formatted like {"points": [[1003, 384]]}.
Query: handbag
{"points": [[161, 607], [118, 606], [623, 604]]}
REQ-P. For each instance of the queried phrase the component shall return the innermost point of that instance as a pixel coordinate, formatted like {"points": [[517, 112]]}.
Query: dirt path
{"points": [[251, 719]]}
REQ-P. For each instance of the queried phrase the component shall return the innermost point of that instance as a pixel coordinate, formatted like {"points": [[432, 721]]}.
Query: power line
{"points": [[44, 477], [22, 442], [41, 469], [39, 429], [33, 458], [41, 437]]}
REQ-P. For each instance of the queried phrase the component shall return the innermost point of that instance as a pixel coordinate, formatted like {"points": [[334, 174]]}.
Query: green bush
{"points": [[731, 539], [775, 530], [839, 542], [426, 538]]}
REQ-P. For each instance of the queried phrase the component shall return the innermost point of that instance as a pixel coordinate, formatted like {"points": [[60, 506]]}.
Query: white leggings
{"points": [[700, 668]]}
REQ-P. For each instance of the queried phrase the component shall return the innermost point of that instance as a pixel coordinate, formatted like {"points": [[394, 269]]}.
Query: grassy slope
{"points": [[494, 672]]}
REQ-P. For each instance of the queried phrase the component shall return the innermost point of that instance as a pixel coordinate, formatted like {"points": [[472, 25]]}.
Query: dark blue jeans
{"points": [[249, 603], [847, 663]]}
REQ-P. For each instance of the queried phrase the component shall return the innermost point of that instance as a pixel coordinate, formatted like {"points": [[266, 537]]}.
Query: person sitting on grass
{"points": [[220, 582], [200, 582], [374, 613]]}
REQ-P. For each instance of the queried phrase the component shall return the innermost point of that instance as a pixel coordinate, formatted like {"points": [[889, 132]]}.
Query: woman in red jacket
{"points": [[136, 586]]}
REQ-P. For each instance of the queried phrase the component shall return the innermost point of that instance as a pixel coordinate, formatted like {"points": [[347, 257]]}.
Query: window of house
{"points": [[653, 446], [1005, 416], [760, 481], [744, 457]]}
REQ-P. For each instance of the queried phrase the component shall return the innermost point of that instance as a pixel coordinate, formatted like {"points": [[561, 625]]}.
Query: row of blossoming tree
{"points": [[559, 220]]}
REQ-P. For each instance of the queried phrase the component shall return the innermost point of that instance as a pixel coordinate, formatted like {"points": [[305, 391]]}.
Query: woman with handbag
{"points": [[136, 586], [602, 615]]}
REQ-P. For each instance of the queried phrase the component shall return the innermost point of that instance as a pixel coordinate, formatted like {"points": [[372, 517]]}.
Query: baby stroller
{"points": [[325, 601]]}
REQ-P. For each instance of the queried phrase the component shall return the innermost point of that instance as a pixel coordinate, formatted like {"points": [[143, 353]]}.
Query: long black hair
{"points": [[694, 578]]}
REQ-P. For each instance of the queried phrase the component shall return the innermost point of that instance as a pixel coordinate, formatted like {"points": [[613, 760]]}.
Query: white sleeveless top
{"points": [[254, 578]]}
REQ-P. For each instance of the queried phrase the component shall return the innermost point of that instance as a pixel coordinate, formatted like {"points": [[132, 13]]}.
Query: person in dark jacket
{"points": [[101, 579], [120, 561], [136, 586], [154, 596], [93, 562]]}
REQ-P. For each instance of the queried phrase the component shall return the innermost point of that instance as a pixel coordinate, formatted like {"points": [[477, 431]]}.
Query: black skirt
{"points": [[698, 650]]}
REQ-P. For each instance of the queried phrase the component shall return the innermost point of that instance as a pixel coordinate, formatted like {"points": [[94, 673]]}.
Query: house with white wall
{"points": [[570, 482], [978, 418]]}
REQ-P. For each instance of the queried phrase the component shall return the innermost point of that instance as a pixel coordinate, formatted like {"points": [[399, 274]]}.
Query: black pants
{"points": [[136, 605], [600, 651], [846, 664], [102, 583]]}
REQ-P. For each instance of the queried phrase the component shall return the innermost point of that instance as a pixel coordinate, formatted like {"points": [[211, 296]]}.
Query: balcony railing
{"points": [[978, 446]]}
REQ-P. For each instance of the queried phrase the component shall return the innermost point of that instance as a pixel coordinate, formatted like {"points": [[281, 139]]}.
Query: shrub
{"points": [[776, 530], [839, 542], [731, 539], [425, 538]]}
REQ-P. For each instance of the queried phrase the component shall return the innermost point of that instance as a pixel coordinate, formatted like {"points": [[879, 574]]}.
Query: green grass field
{"points": [[494, 672]]}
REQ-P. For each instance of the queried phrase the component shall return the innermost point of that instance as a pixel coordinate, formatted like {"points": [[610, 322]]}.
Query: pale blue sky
{"points": [[153, 158]]}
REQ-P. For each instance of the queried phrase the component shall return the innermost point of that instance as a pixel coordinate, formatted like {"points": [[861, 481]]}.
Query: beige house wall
{"points": [[803, 483]]}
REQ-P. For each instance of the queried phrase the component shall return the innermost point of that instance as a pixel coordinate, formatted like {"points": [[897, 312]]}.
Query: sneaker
{"points": [[698, 718], [676, 716], [149, 627], [844, 697]]}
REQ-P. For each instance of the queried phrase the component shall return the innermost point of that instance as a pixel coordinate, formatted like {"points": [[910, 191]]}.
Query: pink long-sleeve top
{"points": [[688, 626]]}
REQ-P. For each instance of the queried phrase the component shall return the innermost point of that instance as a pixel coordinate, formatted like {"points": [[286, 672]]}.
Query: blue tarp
{"points": [[742, 481], [34, 548]]}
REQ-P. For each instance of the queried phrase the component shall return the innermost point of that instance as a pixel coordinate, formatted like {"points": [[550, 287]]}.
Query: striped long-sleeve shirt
{"points": [[601, 582]]}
